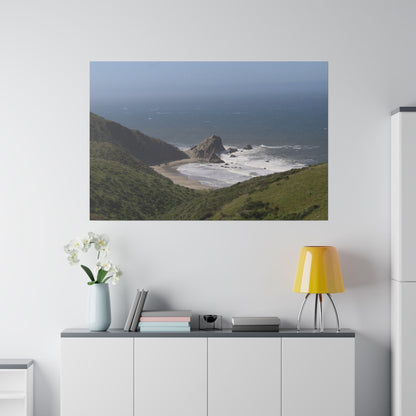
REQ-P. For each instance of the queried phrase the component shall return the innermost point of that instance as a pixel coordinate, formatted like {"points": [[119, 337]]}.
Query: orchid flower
{"points": [[104, 268]]}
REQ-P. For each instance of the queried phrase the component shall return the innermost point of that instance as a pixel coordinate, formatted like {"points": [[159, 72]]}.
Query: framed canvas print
{"points": [[209, 141]]}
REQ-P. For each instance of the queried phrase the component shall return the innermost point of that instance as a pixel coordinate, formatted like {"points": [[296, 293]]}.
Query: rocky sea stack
{"points": [[208, 150]]}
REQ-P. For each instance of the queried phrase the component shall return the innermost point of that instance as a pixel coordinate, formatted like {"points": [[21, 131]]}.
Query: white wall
{"points": [[230, 268]]}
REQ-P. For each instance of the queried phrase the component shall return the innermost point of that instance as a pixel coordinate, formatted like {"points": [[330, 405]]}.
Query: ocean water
{"points": [[286, 131], [246, 164]]}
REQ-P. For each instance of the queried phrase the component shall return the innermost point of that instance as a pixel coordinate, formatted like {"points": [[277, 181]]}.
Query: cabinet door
{"points": [[97, 377], [16, 392], [170, 376], [318, 376], [403, 345], [244, 376], [403, 195]]}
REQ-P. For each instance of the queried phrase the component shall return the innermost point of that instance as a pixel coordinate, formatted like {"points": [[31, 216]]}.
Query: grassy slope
{"points": [[124, 188], [294, 195], [148, 149]]}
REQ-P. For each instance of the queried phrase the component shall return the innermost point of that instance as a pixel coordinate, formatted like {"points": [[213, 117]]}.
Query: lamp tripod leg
{"points": [[321, 316], [335, 310], [316, 312], [301, 310]]}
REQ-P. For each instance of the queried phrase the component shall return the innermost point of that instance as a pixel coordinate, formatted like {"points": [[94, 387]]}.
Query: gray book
{"points": [[163, 314], [133, 307], [255, 328], [256, 320], [138, 311]]}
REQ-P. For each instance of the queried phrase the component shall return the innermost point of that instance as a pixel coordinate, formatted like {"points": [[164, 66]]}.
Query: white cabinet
{"points": [[16, 387], [318, 376], [244, 376], [207, 374], [170, 376], [97, 377], [403, 272]]}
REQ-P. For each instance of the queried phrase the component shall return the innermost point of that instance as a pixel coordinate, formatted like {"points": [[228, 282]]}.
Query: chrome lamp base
{"points": [[321, 318]]}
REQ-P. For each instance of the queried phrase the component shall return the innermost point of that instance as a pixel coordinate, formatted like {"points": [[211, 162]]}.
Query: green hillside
{"points": [[299, 194], [124, 188], [147, 149]]}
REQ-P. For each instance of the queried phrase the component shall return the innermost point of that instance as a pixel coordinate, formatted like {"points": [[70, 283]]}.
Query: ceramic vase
{"points": [[99, 308]]}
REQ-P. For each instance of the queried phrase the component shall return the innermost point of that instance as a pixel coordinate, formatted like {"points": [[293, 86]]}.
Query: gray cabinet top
{"points": [[404, 110], [283, 333], [15, 364]]}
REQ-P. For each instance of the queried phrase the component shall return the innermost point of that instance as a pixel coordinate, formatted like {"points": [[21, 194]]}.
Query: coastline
{"points": [[170, 171]]}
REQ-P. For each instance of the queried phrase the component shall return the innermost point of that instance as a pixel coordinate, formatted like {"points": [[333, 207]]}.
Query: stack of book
{"points": [[255, 324], [165, 321], [135, 311]]}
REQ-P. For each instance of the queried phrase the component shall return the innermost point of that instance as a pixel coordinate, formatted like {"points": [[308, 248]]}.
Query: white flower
{"points": [[101, 241], [116, 274], [73, 245], [69, 249], [116, 271], [76, 244], [104, 252], [105, 265], [92, 237], [73, 258], [86, 243]]}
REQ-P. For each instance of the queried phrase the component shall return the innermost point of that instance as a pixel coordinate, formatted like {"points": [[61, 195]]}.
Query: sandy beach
{"points": [[170, 170]]}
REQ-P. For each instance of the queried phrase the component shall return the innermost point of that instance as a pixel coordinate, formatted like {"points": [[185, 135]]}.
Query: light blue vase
{"points": [[99, 308]]}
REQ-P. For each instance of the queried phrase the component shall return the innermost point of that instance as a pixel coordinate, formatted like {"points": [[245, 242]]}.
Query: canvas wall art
{"points": [[209, 141]]}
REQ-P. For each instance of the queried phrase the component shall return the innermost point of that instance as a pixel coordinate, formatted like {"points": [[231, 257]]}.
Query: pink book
{"points": [[165, 319]]}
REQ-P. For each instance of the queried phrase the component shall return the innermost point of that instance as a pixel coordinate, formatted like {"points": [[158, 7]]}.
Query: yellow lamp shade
{"points": [[318, 271]]}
